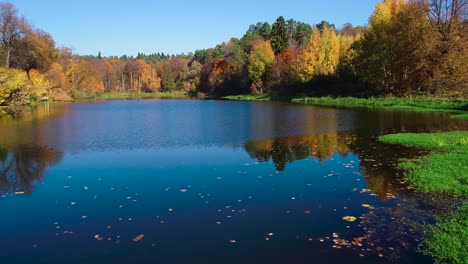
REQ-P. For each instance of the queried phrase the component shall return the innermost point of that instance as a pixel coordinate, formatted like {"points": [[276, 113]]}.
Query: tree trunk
{"points": [[123, 83], [139, 84], [7, 58]]}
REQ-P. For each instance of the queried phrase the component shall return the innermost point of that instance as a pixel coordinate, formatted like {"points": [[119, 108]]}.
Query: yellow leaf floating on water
{"points": [[138, 238], [367, 206], [349, 218]]}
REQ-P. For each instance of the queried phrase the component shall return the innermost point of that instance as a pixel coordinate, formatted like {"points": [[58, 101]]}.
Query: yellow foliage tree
{"points": [[332, 53], [311, 57], [40, 84], [260, 59], [11, 81]]}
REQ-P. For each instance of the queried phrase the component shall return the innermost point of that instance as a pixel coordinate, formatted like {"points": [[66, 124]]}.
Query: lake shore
{"points": [[445, 170], [457, 108], [117, 96]]}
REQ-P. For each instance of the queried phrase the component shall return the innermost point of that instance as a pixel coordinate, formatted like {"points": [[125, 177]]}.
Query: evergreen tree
{"points": [[168, 81], [99, 56], [265, 31], [279, 35]]}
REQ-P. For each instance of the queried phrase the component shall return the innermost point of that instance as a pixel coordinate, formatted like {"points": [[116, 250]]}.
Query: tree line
{"points": [[408, 46]]}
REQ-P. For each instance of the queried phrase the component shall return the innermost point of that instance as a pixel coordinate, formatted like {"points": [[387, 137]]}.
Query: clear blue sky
{"points": [[117, 27]]}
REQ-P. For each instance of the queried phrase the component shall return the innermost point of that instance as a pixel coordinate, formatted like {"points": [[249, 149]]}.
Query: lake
{"points": [[187, 181]]}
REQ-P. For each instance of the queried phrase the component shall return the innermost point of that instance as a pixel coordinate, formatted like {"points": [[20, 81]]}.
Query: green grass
{"points": [[458, 108], [445, 170], [247, 97], [461, 116], [113, 96], [394, 102], [448, 240]]}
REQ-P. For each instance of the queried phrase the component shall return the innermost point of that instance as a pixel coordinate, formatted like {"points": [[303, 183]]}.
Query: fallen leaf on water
{"points": [[138, 238], [183, 190], [232, 241], [349, 218], [270, 234], [97, 237], [367, 206]]}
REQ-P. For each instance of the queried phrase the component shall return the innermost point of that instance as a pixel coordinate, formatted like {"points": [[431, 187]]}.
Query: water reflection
{"points": [[160, 168], [392, 232], [130, 125], [34, 112], [376, 161], [289, 149], [22, 166]]}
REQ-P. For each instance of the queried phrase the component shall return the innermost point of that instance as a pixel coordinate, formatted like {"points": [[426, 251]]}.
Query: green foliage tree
{"points": [[325, 24], [279, 35], [303, 34], [265, 31], [168, 81]]}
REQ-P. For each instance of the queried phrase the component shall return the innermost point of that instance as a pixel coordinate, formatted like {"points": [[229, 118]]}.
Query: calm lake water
{"points": [[177, 181]]}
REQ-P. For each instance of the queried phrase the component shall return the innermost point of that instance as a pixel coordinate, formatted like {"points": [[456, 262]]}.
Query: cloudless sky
{"points": [[117, 27]]}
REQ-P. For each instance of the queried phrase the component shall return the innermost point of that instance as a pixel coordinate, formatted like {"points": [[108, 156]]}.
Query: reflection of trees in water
{"points": [[22, 166], [377, 160], [390, 231], [289, 149], [35, 112]]}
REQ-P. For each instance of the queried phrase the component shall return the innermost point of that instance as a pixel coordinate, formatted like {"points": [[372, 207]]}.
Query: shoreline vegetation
{"points": [[118, 96], [407, 48], [457, 108], [445, 170]]}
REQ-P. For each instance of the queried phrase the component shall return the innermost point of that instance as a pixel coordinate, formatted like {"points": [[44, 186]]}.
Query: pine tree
{"points": [[279, 35]]}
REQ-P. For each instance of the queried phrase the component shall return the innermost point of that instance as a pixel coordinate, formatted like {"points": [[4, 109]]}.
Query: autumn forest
{"points": [[408, 47]]}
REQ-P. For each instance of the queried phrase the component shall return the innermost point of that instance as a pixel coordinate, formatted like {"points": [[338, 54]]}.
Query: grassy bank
{"points": [[445, 170], [248, 97], [115, 96], [457, 108], [448, 242]]}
